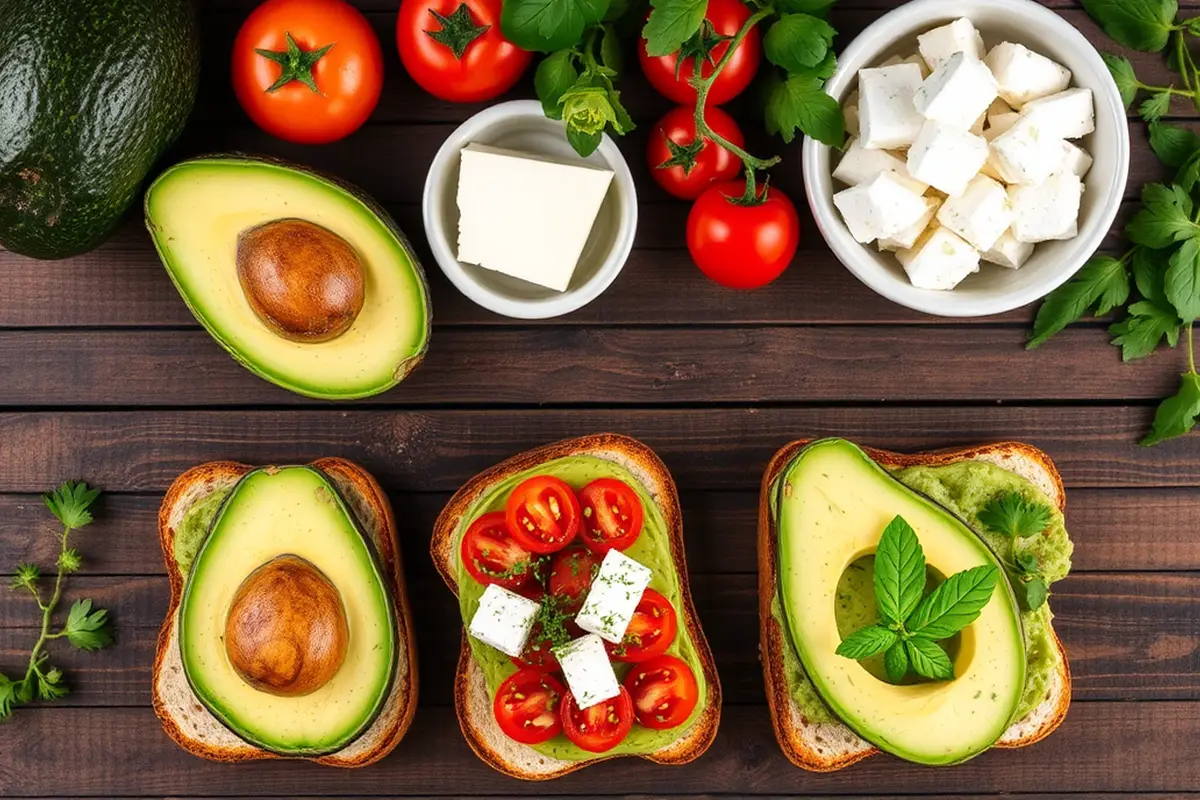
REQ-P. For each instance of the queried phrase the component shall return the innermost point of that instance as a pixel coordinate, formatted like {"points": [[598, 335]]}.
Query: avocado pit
{"points": [[302, 280], [286, 633]]}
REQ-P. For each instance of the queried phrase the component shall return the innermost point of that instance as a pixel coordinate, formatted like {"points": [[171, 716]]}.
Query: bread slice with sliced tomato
{"points": [[598, 455]]}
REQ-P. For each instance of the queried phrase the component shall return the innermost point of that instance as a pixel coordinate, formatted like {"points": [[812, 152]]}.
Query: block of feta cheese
{"points": [[613, 597], [940, 260], [1008, 252], [528, 216], [980, 214], [959, 36], [1075, 159], [1046, 211], [879, 208], [946, 158], [588, 671], [859, 165], [1066, 115], [957, 93], [503, 619], [887, 118], [1022, 154], [1000, 123], [1024, 75], [905, 239]]}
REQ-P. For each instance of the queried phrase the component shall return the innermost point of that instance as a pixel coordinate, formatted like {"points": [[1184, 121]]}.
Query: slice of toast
{"points": [[471, 698], [185, 719], [830, 746]]}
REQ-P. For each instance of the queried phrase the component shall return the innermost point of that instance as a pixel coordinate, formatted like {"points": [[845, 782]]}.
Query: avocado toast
{"points": [[681, 734], [1010, 706], [266, 565]]}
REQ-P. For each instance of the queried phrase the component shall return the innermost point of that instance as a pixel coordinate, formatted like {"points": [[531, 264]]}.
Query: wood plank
{"points": [[114, 752]]}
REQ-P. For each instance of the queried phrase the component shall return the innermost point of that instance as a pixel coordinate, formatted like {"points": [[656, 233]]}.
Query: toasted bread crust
{"points": [[789, 724], [359, 489], [474, 712]]}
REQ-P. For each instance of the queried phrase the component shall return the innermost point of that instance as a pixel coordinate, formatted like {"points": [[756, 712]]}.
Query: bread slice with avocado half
{"points": [[255, 658], [814, 736], [660, 545]]}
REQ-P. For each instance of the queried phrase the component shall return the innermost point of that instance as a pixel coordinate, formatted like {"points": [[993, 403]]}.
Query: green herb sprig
{"points": [[86, 627], [913, 623], [1011, 515]]}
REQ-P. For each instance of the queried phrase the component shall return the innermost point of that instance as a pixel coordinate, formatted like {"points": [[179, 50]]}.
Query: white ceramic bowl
{"points": [[521, 125], [993, 289]]}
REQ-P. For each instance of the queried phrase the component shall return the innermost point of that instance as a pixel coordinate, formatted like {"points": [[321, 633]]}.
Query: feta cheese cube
{"points": [[1075, 159], [905, 239], [998, 106], [989, 169], [614, 596], [1000, 123], [1023, 154], [1024, 75], [1046, 211], [980, 125], [946, 158], [1066, 115], [980, 214], [879, 208], [939, 261], [886, 114], [860, 165], [850, 112], [1008, 252], [957, 93], [588, 671], [959, 36], [503, 619]]}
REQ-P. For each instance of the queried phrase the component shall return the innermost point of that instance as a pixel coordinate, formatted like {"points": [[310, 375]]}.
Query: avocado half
{"points": [[265, 690], [832, 503], [199, 213]]}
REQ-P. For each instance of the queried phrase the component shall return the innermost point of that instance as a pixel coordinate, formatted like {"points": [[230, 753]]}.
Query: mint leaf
{"points": [[899, 571], [87, 629], [1182, 281], [800, 102], [1034, 593], [671, 23], [929, 660], [555, 75], [895, 662], [1177, 414], [548, 25], [1165, 217], [1140, 24], [798, 42], [1123, 76], [1172, 144], [1102, 282], [1139, 334], [870, 641], [953, 605], [70, 503]]}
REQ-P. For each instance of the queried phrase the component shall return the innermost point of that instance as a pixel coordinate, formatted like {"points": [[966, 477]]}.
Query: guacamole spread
{"points": [[652, 548], [193, 528]]}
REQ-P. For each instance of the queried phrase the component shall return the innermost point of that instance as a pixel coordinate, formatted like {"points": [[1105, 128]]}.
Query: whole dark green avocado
{"points": [[91, 94]]}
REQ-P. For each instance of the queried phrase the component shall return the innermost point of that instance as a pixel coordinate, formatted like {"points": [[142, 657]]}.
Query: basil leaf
{"points": [[671, 23], [1183, 280], [1148, 323], [611, 54], [548, 25], [555, 75], [1172, 144], [798, 41], [867, 642], [1123, 75], [1177, 414], [953, 605], [1103, 282], [899, 571], [929, 660], [895, 662], [584, 143], [800, 102], [1141, 24], [818, 7]]}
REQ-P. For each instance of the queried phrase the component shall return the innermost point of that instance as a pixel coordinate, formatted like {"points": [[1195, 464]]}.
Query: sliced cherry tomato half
{"points": [[559, 615], [664, 692], [612, 515], [572, 571], [650, 632], [528, 706], [492, 555], [543, 514], [601, 727]]}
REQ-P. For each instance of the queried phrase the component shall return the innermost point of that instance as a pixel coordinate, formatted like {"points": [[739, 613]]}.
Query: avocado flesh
{"points": [[289, 511], [832, 505], [195, 212]]}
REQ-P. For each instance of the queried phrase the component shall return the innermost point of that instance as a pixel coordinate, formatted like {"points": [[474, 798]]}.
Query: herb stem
{"points": [[1182, 55], [1191, 350], [48, 610]]}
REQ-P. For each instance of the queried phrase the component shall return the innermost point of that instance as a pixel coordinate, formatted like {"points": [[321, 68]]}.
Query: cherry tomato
{"points": [[742, 246], [572, 571], [557, 613], [612, 515], [727, 18], [711, 164], [663, 691], [321, 74], [527, 706], [601, 727], [650, 632], [455, 49], [492, 555], [543, 514]]}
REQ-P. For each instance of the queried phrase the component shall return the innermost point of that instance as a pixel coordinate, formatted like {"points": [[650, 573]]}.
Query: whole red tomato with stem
{"points": [[307, 71], [454, 49], [685, 167], [742, 242], [672, 77]]}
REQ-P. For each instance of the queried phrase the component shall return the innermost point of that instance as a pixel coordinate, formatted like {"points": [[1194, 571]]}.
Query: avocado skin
{"points": [[91, 94]]}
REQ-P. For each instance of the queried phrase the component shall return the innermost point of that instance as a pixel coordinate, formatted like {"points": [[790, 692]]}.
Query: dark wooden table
{"points": [[105, 376]]}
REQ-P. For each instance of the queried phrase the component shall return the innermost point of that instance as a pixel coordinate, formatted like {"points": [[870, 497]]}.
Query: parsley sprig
{"points": [[86, 627], [1011, 515], [911, 622]]}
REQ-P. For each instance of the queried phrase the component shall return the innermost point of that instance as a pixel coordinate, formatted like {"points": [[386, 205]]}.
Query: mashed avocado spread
{"points": [[963, 489], [652, 548], [193, 528]]}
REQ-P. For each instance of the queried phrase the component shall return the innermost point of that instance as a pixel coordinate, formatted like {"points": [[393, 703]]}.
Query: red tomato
{"points": [[663, 691], [571, 573], [727, 18], [527, 706], [712, 163], [324, 79], [612, 515], [742, 246], [650, 632], [601, 727], [492, 555], [455, 49], [543, 514], [558, 614]]}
